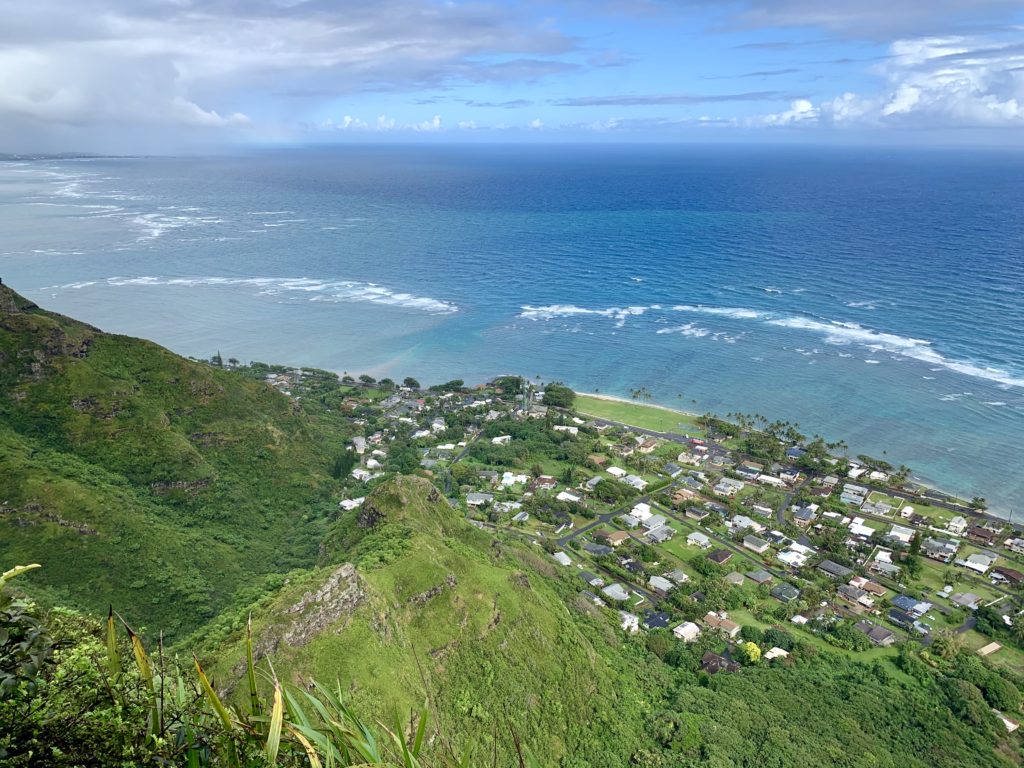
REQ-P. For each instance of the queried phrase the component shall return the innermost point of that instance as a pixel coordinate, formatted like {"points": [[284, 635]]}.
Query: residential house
{"points": [[688, 632], [544, 483], [871, 587], [614, 538], [853, 494], [654, 521], [721, 622], [744, 523], [771, 480], [879, 636], [696, 513], [720, 556], [901, 533], [661, 534], [901, 619], [616, 472], [834, 570], [518, 517], [489, 476], [562, 559], [660, 585], [591, 578], [349, 504], [784, 592], [735, 579], [587, 594], [591, 484], [567, 429], [967, 600], [616, 592], [1007, 576], [805, 515], [656, 620], [678, 576], [982, 535], [728, 487], [759, 576], [980, 562], [628, 521], [911, 605], [479, 499], [943, 550], [570, 498], [598, 550], [858, 598], [957, 525], [647, 446], [712, 663], [672, 470], [755, 544], [682, 495], [702, 540], [501, 440], [635, 481], [1015, 545]]}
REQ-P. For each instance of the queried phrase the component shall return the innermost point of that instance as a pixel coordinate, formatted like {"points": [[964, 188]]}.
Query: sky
{"points": [[176, 75]]}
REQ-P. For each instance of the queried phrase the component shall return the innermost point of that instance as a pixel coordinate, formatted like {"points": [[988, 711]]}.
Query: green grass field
{"points": [[638, 415]]}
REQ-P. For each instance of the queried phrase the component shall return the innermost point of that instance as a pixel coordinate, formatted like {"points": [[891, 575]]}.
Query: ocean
{"points": [[873, 295]]}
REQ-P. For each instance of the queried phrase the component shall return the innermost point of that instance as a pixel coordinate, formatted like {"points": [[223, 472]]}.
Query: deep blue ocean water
{"points": [[871, 295]]}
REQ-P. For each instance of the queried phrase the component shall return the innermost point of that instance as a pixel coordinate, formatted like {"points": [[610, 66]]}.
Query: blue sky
{"points": [[153, 75]]}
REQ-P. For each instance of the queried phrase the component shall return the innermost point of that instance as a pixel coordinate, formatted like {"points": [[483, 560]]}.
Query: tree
{"points": [[367, 380], [947, 644], [410, 382], [748, 653], [217, 361], [343, 464], [559, 396]]}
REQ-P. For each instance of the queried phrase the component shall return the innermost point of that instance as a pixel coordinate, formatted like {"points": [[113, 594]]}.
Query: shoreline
{"points": [[993, 513]]}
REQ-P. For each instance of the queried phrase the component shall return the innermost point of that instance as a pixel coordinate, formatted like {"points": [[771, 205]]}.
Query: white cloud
{"points": [[536, 123], [929, 83], [113, 66]]}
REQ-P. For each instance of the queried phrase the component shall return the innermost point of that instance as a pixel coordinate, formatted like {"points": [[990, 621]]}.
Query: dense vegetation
{"points": [[143, 479]]}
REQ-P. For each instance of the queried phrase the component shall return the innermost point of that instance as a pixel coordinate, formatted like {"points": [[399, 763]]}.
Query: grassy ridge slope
{"points": [[437, 607], [127, 466]]}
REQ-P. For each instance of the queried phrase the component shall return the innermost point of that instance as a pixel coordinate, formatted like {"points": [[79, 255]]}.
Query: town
{"points": [[742, 538]]}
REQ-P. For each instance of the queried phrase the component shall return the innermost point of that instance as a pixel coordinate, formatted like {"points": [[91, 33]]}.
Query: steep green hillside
{"points": [[435, 606], [144, 479]]}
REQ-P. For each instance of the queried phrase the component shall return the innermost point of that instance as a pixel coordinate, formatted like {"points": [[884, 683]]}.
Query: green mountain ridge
{"points": [[146, 480]]}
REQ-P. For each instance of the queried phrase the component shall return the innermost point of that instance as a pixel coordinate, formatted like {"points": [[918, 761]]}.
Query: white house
{"points": [[617, 472], [349, 504], [700, 539], [688, 632], [901, 534], [501, 440], [957, 525], [562, 559], [569, 497], [565, 428]]}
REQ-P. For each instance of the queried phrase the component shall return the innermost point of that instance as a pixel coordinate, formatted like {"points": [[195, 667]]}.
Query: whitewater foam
{"points": [[557, 311], [338, 291]]}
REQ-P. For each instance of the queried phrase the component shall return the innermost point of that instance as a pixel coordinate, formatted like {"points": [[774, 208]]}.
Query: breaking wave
{"points": [[339, 291]]}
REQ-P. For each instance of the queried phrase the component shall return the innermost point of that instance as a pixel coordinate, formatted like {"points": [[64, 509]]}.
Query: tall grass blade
{"points": [[113, 652], [255, 705], [314, 759], [421, 730], [274, 734], [16, 571], [215, 702]]}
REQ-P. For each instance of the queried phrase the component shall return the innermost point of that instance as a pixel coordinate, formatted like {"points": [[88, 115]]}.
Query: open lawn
{"points": [[652, 417]]}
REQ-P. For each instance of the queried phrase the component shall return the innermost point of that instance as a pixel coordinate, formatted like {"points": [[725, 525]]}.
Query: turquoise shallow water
{"points": [[872, 295]]}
